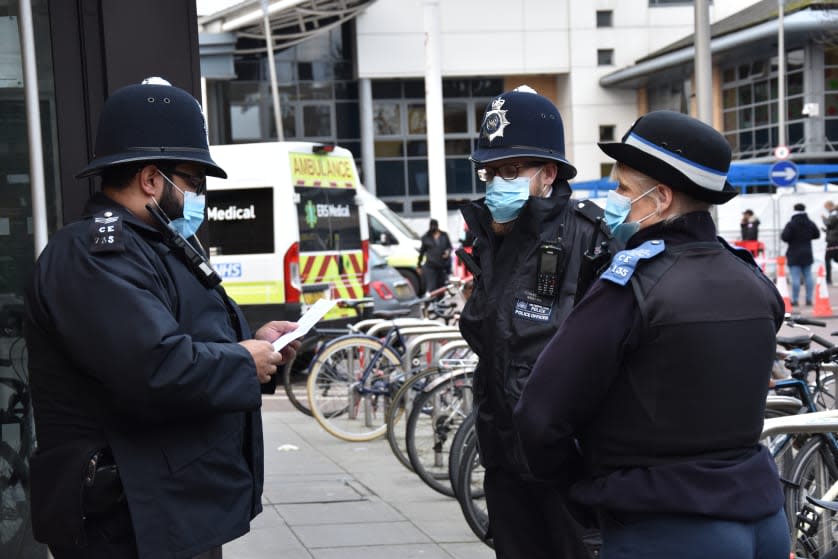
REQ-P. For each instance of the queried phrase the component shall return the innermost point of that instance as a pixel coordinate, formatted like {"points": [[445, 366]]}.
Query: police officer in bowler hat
{"points": [[673, 464], [532, 245], [145, 376]]}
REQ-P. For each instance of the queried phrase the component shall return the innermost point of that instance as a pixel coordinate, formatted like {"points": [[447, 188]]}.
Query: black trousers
{"points": [[434, 276], [111, 536], [830, 255], [529, 520]]}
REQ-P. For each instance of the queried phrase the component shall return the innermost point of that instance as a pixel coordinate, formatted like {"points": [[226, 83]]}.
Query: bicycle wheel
{"points": [[471, 495], [814, 530], [403, 400], [458, 444], [349, 387], [431, 425], [14, 501], [295, 376]]}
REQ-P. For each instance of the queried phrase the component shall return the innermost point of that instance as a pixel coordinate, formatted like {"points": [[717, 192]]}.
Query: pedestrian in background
{"points": [[799, 233], [830, 222], [749, 226], [528, 265], [436, 252], [674, 469], [145, 377]]}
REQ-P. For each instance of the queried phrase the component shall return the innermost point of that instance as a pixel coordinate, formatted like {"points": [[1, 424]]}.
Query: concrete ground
{"points": [[330, 499]]}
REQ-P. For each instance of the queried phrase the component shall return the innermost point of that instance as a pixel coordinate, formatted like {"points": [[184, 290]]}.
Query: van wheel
{"points": [[413, 278]]}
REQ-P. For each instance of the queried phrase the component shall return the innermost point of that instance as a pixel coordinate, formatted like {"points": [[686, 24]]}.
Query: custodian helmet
{"points": [[522, 123], [151, 121]]}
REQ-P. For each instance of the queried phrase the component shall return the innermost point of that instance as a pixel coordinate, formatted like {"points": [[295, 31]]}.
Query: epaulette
{"points": [[593, 213], [625, 262], [740, 252], [106, 233]]}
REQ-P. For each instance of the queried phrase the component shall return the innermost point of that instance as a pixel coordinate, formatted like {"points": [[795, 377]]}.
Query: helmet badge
{"points": [[495, 120]]}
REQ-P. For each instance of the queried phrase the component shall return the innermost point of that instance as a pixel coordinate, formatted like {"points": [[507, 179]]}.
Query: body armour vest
{"points": [[709, 323]]}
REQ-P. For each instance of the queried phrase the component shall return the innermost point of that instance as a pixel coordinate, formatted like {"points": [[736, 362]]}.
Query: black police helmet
{"points": [[151, 121], [680, 151], [522, 123]]}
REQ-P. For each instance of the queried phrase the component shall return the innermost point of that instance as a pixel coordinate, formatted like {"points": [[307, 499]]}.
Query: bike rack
{"points": [[451, 346], [815, 422], [376, 330], [414, 345]]}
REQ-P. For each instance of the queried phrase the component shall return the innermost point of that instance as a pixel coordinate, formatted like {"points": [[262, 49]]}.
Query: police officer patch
{"points": [[106, 233], [531, 306], [625, 262]]}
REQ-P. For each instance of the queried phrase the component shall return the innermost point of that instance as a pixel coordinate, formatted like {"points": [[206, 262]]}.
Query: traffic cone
{"points": [[822, 306], [780, 282]]}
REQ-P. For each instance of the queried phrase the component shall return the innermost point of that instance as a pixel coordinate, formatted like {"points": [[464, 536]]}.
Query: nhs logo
{"points": [[228, 269]]}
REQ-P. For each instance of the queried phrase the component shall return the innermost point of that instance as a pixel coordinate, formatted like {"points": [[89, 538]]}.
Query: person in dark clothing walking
{"points": [[799, 233], [436, 251], [749, 226], [534, 252], [630, 378], [830, 222], [145, 376]]}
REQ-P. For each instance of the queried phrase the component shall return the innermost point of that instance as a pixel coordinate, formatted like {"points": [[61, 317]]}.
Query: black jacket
{"points": [[128, 350], [663, 380], [831, 225], [798, 233], [436, 252], [505, 321]]}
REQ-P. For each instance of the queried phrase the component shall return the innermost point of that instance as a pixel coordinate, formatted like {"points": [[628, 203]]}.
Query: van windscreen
{"points": [[328, 219]]}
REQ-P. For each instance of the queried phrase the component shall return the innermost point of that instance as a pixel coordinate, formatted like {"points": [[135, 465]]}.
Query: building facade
{"points": [[561, 48]]}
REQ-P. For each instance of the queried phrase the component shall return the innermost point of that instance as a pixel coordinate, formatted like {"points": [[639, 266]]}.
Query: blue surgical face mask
{"points": [[505, 199], [617, 209], [193, 212]]}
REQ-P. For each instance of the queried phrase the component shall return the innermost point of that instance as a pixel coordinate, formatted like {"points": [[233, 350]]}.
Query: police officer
{"points": [[528, 256], [145, 377], [662, 370]]}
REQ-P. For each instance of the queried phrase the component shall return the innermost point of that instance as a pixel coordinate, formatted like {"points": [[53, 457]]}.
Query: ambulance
{"points": [[286, 228]]}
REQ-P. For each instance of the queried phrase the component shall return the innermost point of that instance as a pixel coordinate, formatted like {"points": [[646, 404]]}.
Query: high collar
{"points": [[688, 228]]}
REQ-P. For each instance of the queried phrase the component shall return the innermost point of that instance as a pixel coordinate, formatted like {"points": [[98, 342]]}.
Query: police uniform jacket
{"points": [[128, 350], [505, 321], [831, 225], [661, 372]]}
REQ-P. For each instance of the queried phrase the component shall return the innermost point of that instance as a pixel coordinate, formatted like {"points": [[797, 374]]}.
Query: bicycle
{"points": [[15, 411], [353, 378]]}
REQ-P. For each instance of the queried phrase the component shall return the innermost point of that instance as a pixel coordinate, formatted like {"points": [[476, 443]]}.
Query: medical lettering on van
{"points": [[228, 269], [332, 171], [313, 212], [231, 213]]}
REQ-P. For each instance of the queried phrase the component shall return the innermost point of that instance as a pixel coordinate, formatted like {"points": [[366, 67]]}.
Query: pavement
{"points": [[330, 499]]}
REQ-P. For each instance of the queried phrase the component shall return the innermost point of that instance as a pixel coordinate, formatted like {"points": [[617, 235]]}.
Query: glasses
{"points": [[507, 172], [198, 182]]}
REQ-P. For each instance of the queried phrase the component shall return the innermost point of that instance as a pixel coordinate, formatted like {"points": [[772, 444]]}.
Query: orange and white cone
{"points": [[822, 306], [780, 282]]}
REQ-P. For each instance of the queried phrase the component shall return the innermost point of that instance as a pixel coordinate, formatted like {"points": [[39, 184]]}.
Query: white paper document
{"points": [[315, 312]]}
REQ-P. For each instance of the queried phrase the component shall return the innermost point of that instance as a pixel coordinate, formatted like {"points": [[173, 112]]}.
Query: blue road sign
{"points": [[783, 173]]}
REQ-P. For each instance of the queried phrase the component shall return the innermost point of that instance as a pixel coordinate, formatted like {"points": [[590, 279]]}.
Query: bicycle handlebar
{"points": [[792, 319]]}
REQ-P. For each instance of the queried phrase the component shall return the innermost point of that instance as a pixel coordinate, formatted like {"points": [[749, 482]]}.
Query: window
{"points": [[606, 133], [401, 147], [605, 57], [604, 18], [749, 103]]}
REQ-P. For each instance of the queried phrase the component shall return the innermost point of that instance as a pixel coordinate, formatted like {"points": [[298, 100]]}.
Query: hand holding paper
{"points": [[317, 311]]}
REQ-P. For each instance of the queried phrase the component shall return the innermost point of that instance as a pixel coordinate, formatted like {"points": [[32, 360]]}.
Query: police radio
{"points": [[550, 258], [195, 261]]}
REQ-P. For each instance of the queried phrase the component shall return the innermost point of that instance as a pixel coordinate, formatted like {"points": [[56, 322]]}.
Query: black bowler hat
{"points": [[522, 123], [151, 121], [679, 151]]}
